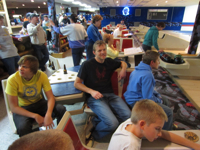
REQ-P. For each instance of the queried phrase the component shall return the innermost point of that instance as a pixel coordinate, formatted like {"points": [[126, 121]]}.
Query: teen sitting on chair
{"points": [[24, 90]]}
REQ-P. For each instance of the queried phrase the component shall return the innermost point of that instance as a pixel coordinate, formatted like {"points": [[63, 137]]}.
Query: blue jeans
{"points": [[24, 124], [111, 110], [42, 54], [89, 50], [169, 113], [11, 64], [77, 55]]}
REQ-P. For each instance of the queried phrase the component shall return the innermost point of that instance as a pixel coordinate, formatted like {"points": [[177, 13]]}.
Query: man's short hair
{"points": [[160, 24], [32, 61], [106, 38], [1, 17], [97, 18], [43, 140], [150, 56], [148, 111], [46, 16], [98, 43]]}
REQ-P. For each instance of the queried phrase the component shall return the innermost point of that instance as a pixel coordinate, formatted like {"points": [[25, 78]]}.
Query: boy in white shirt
{"points": [[147, 120]]}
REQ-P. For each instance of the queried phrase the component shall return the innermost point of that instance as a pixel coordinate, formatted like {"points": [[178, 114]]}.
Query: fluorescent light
{"points": [[44, 3], [166, 1], [38, 6], [76, 2], [16, 16], [88, 6], [32, 1], [68, 0], [23, 5]]}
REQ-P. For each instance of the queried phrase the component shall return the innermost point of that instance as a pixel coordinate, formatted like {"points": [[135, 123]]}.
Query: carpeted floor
{"points": [[185, 114]]}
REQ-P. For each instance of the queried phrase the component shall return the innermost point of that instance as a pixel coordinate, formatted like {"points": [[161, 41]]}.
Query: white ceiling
{"points": [[105, 3]]}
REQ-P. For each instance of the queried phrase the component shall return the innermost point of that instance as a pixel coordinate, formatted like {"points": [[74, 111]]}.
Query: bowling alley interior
{"points": [[53, 30]]}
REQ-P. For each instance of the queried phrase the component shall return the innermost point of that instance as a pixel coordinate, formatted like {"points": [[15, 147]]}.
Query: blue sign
{"points": [[125, 11]]}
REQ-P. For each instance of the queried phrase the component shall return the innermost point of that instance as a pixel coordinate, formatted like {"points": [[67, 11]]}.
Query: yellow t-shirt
{"points": [[28, 92]]}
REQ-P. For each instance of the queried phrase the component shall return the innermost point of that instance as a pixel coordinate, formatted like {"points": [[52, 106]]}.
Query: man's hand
{"points": [[51, 22], [160, 51], [122, 75], [48, 122], [39, 119], [96, 94]]}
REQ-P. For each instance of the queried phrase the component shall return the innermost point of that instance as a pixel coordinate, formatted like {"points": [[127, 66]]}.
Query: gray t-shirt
{"points": [[7, 48]]}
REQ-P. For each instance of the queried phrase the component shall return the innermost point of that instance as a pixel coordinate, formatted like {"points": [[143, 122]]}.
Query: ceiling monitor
{"points": [[157, 14]]}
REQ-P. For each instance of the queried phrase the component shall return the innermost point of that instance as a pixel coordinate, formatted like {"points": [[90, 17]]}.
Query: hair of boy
{"points": [[150, 56], [161, 24], [106, 37], [32, 62], [98, 43], [147, 110], [1, 17], [96, 18], [43, 140]]}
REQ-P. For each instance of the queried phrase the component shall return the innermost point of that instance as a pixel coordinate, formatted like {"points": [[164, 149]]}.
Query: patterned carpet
{"points": [[185, 114]]}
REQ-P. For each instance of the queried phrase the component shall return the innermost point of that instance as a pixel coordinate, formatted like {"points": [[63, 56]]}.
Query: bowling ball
{"points": [[21, 47], [61, 42], [178, 59]]}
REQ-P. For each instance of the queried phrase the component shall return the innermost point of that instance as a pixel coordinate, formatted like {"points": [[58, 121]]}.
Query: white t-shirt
{"points": [[116, 33], [123, 139]]}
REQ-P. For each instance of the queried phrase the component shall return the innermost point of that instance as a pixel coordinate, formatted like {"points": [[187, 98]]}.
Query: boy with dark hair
{"points": [[151, 37], [142, 82], [147, 120]]}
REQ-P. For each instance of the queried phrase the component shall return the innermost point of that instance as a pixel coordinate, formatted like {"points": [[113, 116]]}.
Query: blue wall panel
{"points": [[173, 22]]}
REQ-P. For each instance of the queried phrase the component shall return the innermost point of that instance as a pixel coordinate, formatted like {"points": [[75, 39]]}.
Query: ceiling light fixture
{"points": [[32, 1], [76, 2], [68, 0], [38, 6], [166, 1], [16, 7], [156, 4], [44, 3], [23, 5], [117, 1]]}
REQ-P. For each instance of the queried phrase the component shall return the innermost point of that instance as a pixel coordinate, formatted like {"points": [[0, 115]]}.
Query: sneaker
{"points": [[89, 127], [89, 142]]}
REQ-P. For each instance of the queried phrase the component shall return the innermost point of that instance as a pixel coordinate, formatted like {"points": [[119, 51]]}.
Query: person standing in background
{"points": [[8, 51], [76, 36], [38, 40], [151, 37], [93, 35]]}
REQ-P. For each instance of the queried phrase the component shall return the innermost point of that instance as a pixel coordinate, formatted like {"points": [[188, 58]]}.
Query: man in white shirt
{"points": [[118, 32], [38, 40]]}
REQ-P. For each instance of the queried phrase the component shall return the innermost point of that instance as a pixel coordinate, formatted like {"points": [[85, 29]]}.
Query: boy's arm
{"points": [[48, 121], [13, 101], [179, 140], [122, 73]]}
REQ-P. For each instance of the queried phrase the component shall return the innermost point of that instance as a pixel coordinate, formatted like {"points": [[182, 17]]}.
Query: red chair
{"points": [[104, 29], [108, 27], [125, 32], [127, 43], [115, 41], [66, 124]]}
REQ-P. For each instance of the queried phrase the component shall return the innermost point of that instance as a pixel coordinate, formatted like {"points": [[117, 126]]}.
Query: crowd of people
{"points": [[144, 113]]}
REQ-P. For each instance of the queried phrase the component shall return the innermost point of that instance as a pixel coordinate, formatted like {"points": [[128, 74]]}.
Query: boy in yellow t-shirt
{"points": [[24, 90], [147, 120]]}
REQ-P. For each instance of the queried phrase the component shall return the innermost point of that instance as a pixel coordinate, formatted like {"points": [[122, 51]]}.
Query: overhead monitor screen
{"points": [[157, 14]]}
